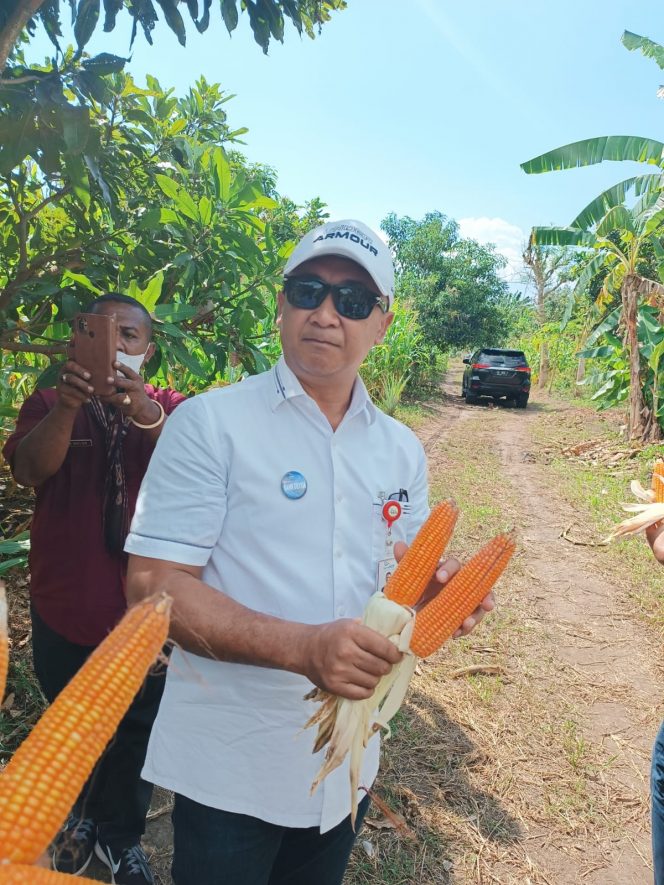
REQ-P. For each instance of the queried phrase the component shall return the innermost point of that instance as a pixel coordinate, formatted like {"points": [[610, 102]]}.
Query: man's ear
{"points": [[386, 322], [149, 353], [281, 300]]}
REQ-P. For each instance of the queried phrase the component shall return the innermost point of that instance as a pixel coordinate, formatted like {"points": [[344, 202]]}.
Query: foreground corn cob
{"points": [[42, 780], [345, 725], [4, 642], [650, 511]]}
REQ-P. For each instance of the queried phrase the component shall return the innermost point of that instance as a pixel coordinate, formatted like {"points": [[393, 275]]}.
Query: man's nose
{"points": [[326, 312]]}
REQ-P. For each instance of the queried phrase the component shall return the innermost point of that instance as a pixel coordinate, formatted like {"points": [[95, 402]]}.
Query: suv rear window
{"points": [[508, 358]]}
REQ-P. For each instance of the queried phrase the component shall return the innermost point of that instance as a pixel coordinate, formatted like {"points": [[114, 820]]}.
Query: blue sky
{"points": [[428, 104]]}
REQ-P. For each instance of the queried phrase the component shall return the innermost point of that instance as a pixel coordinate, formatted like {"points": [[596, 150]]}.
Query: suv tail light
{"points": [[523, 369], [480, 366]]}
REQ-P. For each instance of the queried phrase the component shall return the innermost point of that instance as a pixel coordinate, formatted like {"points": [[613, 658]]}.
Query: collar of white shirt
{"points": [[287, 386]]}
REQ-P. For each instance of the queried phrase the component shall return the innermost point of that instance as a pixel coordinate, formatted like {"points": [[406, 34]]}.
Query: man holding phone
{"points": [[85, 455]]}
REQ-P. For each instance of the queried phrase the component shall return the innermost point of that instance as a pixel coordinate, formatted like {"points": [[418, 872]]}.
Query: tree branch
{"points": [[24, 11], [55, 195], [27, 273], [19, 347]]}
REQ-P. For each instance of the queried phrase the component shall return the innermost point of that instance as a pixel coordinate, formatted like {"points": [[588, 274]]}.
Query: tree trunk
{"points": [[545, 367], [654, 431], [14, 25], [633, 289], [629, 292]]}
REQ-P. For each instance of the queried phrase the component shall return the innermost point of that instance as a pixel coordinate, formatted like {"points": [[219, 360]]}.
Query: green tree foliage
{"points": [[115, 187], [452, 282], [266, 17]]}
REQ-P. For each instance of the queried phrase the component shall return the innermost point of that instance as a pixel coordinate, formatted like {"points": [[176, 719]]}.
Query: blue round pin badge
{"points": [[293, 484]]}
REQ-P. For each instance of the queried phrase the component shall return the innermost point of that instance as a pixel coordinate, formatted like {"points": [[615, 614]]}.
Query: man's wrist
{"points": [[297, 651], [149, 413]]}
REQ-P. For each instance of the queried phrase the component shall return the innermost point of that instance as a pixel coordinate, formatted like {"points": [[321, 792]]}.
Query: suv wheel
{"points": [[521, 400], [471, 399]]}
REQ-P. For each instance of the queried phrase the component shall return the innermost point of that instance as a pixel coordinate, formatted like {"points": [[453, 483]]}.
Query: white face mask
{"points": [[133, 362]]}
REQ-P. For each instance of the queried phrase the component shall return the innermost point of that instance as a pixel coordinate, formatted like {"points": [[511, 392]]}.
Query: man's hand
{"points": [[132, 399], [655, 536], [348, 659], [446, 569], [73, 387]]}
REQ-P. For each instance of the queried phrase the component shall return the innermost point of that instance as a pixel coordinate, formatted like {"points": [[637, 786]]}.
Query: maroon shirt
{"points": [[77, 587]]}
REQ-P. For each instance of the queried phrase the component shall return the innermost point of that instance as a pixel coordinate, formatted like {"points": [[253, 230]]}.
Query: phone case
{"points": [[94, 348]]}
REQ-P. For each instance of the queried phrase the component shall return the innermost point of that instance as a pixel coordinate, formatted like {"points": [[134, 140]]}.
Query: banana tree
{"points": [[607, 213], [617, 148], [618, 238]]}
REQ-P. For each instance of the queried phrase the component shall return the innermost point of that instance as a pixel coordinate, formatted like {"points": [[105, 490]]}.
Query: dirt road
{"points": [[565, 739], [522, 755]]}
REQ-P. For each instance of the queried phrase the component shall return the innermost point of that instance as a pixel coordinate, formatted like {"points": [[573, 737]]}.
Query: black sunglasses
{"points": [[351, 300]]}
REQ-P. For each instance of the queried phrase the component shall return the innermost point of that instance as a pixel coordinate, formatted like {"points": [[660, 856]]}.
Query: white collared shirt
{"points": [[229, 735]]}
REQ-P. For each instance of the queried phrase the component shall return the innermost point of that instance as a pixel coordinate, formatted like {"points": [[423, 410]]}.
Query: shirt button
{"points": [[341, 611], [338, 553], [340, 498]]}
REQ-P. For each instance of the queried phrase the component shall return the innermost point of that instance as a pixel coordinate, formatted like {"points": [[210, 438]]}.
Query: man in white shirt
{"points": [[261, 515]]}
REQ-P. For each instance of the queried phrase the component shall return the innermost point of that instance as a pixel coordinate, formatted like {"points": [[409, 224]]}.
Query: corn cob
{"points": [[45, 775], [415, 570], [658, 481], [441, 617], [649, 511], [4, 642], [346, 726], [19, 874]]}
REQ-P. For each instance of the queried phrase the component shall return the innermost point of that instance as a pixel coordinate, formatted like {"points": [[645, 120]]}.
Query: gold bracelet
{"points": [[160, 419]]}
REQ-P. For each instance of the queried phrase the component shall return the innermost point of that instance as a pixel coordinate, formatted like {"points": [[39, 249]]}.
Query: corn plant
{"points": [[403, 354]]}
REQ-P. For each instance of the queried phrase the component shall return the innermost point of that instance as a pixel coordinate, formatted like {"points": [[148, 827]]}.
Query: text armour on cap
{"points": [[348, 239]]}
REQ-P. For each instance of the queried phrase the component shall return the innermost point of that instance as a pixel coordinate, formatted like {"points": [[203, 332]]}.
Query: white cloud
{"points": [[508, 239]]}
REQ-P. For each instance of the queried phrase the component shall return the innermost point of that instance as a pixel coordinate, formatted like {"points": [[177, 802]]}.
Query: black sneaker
{"points": [[128, 866], [74, 845]]}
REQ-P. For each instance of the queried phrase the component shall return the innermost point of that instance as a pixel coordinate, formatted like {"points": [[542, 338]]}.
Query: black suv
{"points": [[494, 372]]}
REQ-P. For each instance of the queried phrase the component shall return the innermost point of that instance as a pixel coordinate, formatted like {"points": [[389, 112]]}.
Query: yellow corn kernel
{"points": [[40, 782], [412, 575], [459, 598], [658, 481]]}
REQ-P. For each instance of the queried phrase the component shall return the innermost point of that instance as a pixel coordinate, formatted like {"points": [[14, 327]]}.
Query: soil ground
{"points": [[522, 753]]}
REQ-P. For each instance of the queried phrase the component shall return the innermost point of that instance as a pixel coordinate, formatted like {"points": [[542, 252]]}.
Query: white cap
{"points": [[348, 239]]}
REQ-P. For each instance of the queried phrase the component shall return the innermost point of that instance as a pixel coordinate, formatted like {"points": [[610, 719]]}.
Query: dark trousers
{"points": [[657, 799], [115, 795], [213, 847]]}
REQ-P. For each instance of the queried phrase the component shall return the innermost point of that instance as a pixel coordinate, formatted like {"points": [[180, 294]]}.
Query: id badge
{"points": [[385, 571]]}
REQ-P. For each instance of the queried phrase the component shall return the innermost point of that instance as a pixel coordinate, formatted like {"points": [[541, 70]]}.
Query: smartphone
{"points": [[93, 348]]}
